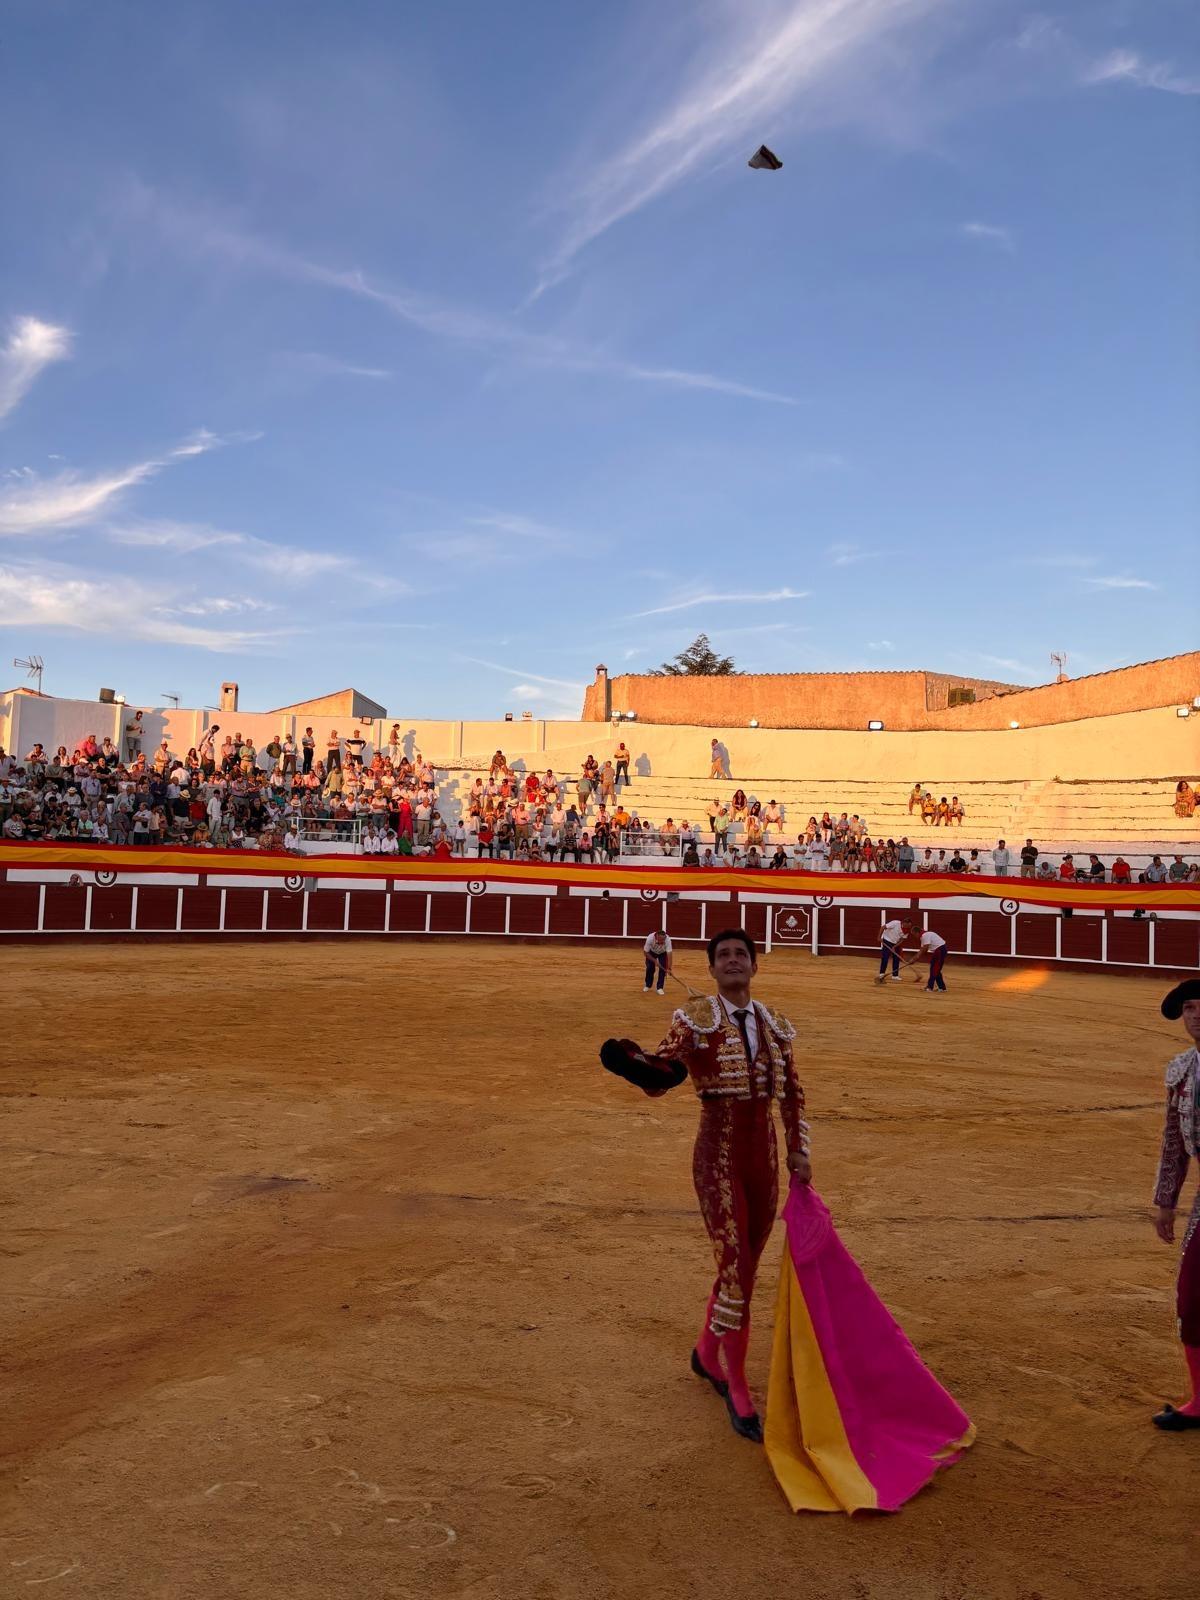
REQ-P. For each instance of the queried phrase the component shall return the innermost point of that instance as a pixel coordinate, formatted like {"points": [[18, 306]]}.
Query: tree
{"points": [[699, 660]]}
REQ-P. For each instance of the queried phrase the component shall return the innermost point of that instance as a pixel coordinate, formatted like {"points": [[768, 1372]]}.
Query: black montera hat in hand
{"points": [[1172, 1006]]}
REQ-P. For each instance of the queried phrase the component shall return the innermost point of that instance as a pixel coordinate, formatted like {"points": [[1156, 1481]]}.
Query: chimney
{"points": [[229, 696], [603, 694]]}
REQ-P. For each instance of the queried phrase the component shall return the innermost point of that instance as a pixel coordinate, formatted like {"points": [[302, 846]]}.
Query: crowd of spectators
{"points": [[227, 792]]}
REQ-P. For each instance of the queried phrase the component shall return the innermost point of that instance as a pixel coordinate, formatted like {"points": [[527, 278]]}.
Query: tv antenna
{"points": [[1058, 659], [33, 668], [173, 698]]}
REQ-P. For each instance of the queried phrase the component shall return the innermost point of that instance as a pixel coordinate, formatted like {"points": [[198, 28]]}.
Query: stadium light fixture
{"points": [[1014, 724], [1196, 703], [1183, 711], [754, 722], [874, 727]]}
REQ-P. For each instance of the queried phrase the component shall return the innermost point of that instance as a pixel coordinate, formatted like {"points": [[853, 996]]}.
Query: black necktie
{"points": [[740, 1019]]}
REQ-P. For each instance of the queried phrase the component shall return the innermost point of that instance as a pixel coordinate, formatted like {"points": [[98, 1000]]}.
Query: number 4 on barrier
{"points": [[791, 925]]}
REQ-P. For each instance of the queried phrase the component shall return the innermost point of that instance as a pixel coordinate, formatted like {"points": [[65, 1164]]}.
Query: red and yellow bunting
{"points": [[70, 855]]}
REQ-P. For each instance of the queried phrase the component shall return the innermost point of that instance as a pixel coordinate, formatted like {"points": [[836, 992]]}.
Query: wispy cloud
{"points": [[436, 318], [288, 562], [880, 644], [990, 233], [30, 347], [1058, 558], [529, 677], [1126, 66], [746, 75], [1121, 583], [769, 597], [1007, 664], [842, 554], [52, 596], [323, 366], [34, 505]]}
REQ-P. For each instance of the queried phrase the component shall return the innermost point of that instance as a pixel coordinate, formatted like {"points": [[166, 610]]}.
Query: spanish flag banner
{"points": [[855, 1420]]}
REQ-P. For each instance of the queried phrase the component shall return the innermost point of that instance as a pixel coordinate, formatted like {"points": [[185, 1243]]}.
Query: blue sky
{"points": [[447, 351]]}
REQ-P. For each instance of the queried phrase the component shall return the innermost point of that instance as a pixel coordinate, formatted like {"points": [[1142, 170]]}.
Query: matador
{"points": [[1181, 1141], [738, 1054]]}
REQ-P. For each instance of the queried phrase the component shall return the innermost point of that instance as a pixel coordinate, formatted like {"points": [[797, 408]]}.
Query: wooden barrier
{"points": [[90, 892]]}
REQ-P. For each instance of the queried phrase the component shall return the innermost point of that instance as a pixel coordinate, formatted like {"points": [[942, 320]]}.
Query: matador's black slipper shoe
{"points": [[748, 1427], [702, 1371], [1172, 1421]]}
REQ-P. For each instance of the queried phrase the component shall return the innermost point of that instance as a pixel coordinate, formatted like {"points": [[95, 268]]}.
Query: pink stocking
{"points": [[1192, 1355], [708, 1346], [734, 1349]]}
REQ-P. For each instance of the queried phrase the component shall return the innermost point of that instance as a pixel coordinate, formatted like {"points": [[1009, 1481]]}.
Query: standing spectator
{"points": [[1001, 859], [720, 761], [308, 745], [904, 855], [162, 758], [289, 754], [333, 752], [621, 762], [134, 734], [1029, 855], [274, 749], [394, 746], [355, 745]]}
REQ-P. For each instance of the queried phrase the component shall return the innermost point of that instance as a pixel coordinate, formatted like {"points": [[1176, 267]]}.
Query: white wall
{"points": [[1135, 744]]}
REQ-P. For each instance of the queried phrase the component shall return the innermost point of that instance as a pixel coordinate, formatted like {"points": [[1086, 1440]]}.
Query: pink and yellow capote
{"points": [[855, 1420]]}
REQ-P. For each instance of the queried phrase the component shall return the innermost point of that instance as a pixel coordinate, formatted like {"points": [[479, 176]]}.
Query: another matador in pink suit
{"points": [[1180, 1142], [738, 1054]]}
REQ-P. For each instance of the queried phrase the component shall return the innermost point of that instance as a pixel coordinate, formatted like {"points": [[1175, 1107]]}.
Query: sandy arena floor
{"points": [[344, 1272]]}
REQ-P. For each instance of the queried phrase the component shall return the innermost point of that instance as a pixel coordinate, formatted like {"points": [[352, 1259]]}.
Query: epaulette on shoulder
{"points": [[700, 1014], [779, 1024], [1178, 1068]]}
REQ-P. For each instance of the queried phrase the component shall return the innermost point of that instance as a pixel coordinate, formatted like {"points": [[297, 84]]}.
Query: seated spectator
{"points": [[1156, 872], [1066, 869], [915, 798], [1178, 870], [926, 863], [691, 856], [958, 862], [738, 804], [779, 859], [753, 859], [941, 816], [707, 859], [974, 864], [1095, 869], [772, 816], [957, 813], [1045, 870], [1120, 871], [1185, 799], [928, 809]]}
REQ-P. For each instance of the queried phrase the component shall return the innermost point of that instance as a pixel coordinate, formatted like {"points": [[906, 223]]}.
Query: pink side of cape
{"points": [[898, 1418]]}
